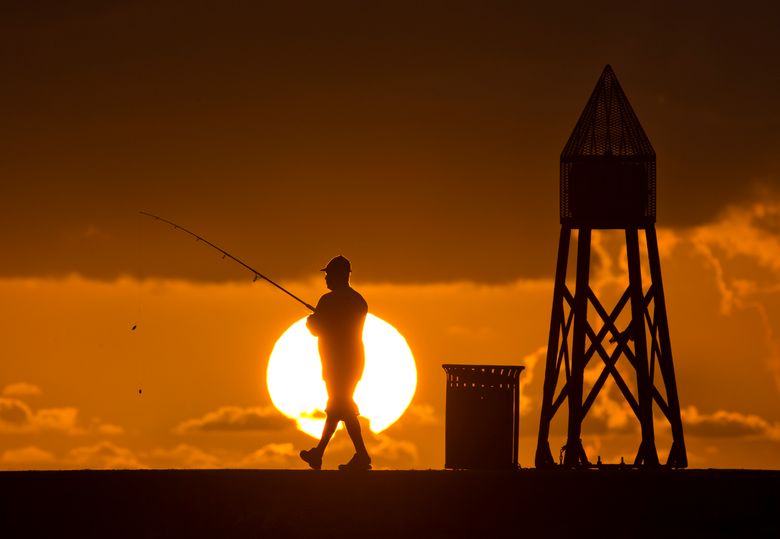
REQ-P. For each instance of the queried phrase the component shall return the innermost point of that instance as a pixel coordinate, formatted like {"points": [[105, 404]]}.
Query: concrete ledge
{"points": [[287, 503]]}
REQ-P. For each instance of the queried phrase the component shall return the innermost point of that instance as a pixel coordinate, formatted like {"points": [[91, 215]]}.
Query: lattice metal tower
{"points": [[608, 182]]}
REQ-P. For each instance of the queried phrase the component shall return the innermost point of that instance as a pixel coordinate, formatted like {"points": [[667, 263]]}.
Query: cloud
{"points": [[103, 455], [421, 414], [62, 419], [743, 250], [21, 389], [14, 414], [538, 357], [183, 456], [26, 457], [724, 424], [747, 233], [387, 452], [273, 455], [608, 260], [610, 412], [108, 428], [17, 417], [616, 415], [237, 419], [751, 230]]}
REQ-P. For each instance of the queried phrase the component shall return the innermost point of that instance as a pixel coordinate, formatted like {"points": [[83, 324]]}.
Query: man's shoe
{"points": [[357, 462], [312, 457]]}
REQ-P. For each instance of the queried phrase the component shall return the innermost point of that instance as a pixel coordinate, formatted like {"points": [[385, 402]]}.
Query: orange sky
{"points": [[423, 144], [199, 348]]}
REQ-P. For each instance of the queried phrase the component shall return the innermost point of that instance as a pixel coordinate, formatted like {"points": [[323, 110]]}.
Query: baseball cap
{"points": [[338, 265]]}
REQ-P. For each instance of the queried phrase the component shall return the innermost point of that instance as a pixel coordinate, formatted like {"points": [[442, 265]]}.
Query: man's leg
{"points": [[353, 429], [313, 456], [327, 433], [361, 460]]}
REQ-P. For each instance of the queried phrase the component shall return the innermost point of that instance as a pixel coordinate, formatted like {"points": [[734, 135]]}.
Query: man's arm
{"points": [[314, 321]]}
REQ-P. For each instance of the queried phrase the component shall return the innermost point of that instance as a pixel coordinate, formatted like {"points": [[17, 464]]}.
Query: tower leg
{"points": [[575, 455], [571, 352], [544, 458], [647, 453], [678, 457]]}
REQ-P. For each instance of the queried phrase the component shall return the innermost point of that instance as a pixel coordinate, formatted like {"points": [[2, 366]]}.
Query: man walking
{"points": [[338, 323]]}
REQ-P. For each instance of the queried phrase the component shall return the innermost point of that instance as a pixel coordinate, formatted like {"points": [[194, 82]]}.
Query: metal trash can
{"points": [[482, 416]]}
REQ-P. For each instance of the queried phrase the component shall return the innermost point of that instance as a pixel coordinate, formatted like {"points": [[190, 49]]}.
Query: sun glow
{"points": [[294, 377]]}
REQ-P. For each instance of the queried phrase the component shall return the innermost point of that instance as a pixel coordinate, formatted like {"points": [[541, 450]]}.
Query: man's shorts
{"points": [[341, 405]]}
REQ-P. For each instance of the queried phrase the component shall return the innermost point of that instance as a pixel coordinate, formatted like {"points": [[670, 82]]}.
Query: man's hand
{"points": [[311, 323]]}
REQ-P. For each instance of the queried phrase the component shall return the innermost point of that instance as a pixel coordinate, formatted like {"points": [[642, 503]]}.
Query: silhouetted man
{"points": [[338, 323]]}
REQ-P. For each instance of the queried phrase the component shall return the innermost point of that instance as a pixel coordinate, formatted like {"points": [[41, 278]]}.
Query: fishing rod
{"points": [[258, 275]]}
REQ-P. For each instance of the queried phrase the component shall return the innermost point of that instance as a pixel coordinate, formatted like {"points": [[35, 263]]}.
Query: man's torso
{"points": [[340, 316]]}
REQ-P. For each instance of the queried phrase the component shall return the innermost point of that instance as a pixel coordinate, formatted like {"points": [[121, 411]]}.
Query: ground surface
{"points": [[268, 503]]}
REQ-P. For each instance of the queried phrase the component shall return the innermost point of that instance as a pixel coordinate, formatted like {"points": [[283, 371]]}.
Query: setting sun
{"points": [[386, 389]]}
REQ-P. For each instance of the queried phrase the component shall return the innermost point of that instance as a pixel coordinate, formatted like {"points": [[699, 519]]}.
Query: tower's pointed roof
{"points": [[608, 125]]}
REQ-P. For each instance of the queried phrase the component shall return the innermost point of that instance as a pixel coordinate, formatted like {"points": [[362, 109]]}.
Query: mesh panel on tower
{"points": [[608, 164]]}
